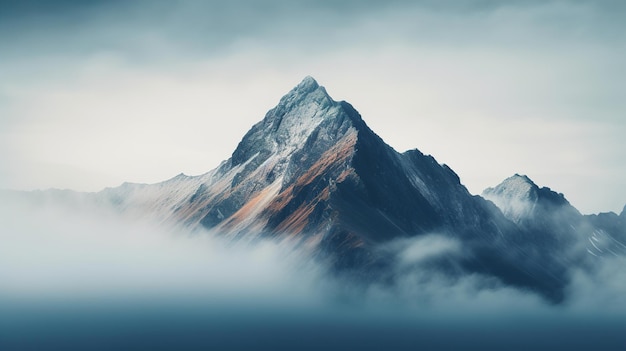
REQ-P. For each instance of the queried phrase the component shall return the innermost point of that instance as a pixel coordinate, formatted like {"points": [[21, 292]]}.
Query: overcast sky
{"points": [[94, 93]]}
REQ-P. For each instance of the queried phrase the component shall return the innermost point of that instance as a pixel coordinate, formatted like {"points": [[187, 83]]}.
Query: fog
{"points": [[77, 277], [71, 253]]}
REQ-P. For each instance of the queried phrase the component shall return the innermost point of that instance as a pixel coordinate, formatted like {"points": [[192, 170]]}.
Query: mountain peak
{"points": [[518, 187], [521, 178], [306, 114], [307, 84], [518, 197], [308, 93]]}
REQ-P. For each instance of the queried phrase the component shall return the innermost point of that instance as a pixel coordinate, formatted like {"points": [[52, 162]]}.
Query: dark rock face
{"points": [[609, 234]]}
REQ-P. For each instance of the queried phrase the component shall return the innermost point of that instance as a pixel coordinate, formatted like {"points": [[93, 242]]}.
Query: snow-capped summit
{"points": [[516, 196], [551, 223], [308, 83], [306, 110], [519, 197]]}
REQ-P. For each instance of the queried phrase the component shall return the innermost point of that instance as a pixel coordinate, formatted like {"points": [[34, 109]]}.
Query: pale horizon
{"points": [[97, 94]]}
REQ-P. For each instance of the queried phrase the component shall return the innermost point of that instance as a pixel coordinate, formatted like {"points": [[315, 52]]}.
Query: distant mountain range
{"points": [[312, 172]]}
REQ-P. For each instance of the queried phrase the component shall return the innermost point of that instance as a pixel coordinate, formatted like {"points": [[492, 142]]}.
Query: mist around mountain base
{"points": [[90, 279]]}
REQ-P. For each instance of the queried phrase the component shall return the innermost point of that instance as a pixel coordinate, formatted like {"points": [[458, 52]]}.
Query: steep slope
{"points": [[609, 234]]}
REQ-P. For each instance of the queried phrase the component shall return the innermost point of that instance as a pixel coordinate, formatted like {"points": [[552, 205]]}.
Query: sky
{"points": [[95, 93]]}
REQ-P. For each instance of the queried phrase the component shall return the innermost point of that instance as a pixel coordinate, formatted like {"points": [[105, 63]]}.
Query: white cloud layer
{"points": [[67, 273], [57, 252]]}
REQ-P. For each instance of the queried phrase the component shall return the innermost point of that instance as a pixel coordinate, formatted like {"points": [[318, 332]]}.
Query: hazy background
{"points": [[94, 93]]}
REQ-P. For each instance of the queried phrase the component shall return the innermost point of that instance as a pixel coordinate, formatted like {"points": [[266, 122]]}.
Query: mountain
{"points": [[313, 173], [551, 224], [551, 228], [520, 199], [546, 216]]}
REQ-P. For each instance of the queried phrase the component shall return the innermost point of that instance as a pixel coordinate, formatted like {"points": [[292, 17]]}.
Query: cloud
{"points": [[423, 248], [599, 289], [55, 250], [85, 268], [52, 252]]}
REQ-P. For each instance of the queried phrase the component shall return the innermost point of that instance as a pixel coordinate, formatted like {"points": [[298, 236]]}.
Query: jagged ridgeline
{"points": [[312, 172]]}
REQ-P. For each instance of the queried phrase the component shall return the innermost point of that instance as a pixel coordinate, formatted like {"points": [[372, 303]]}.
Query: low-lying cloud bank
{"points": [[54, 253], [72, 275]]}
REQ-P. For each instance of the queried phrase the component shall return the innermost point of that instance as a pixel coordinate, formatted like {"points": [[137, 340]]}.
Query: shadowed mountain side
{"points": [[609, 234]]}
